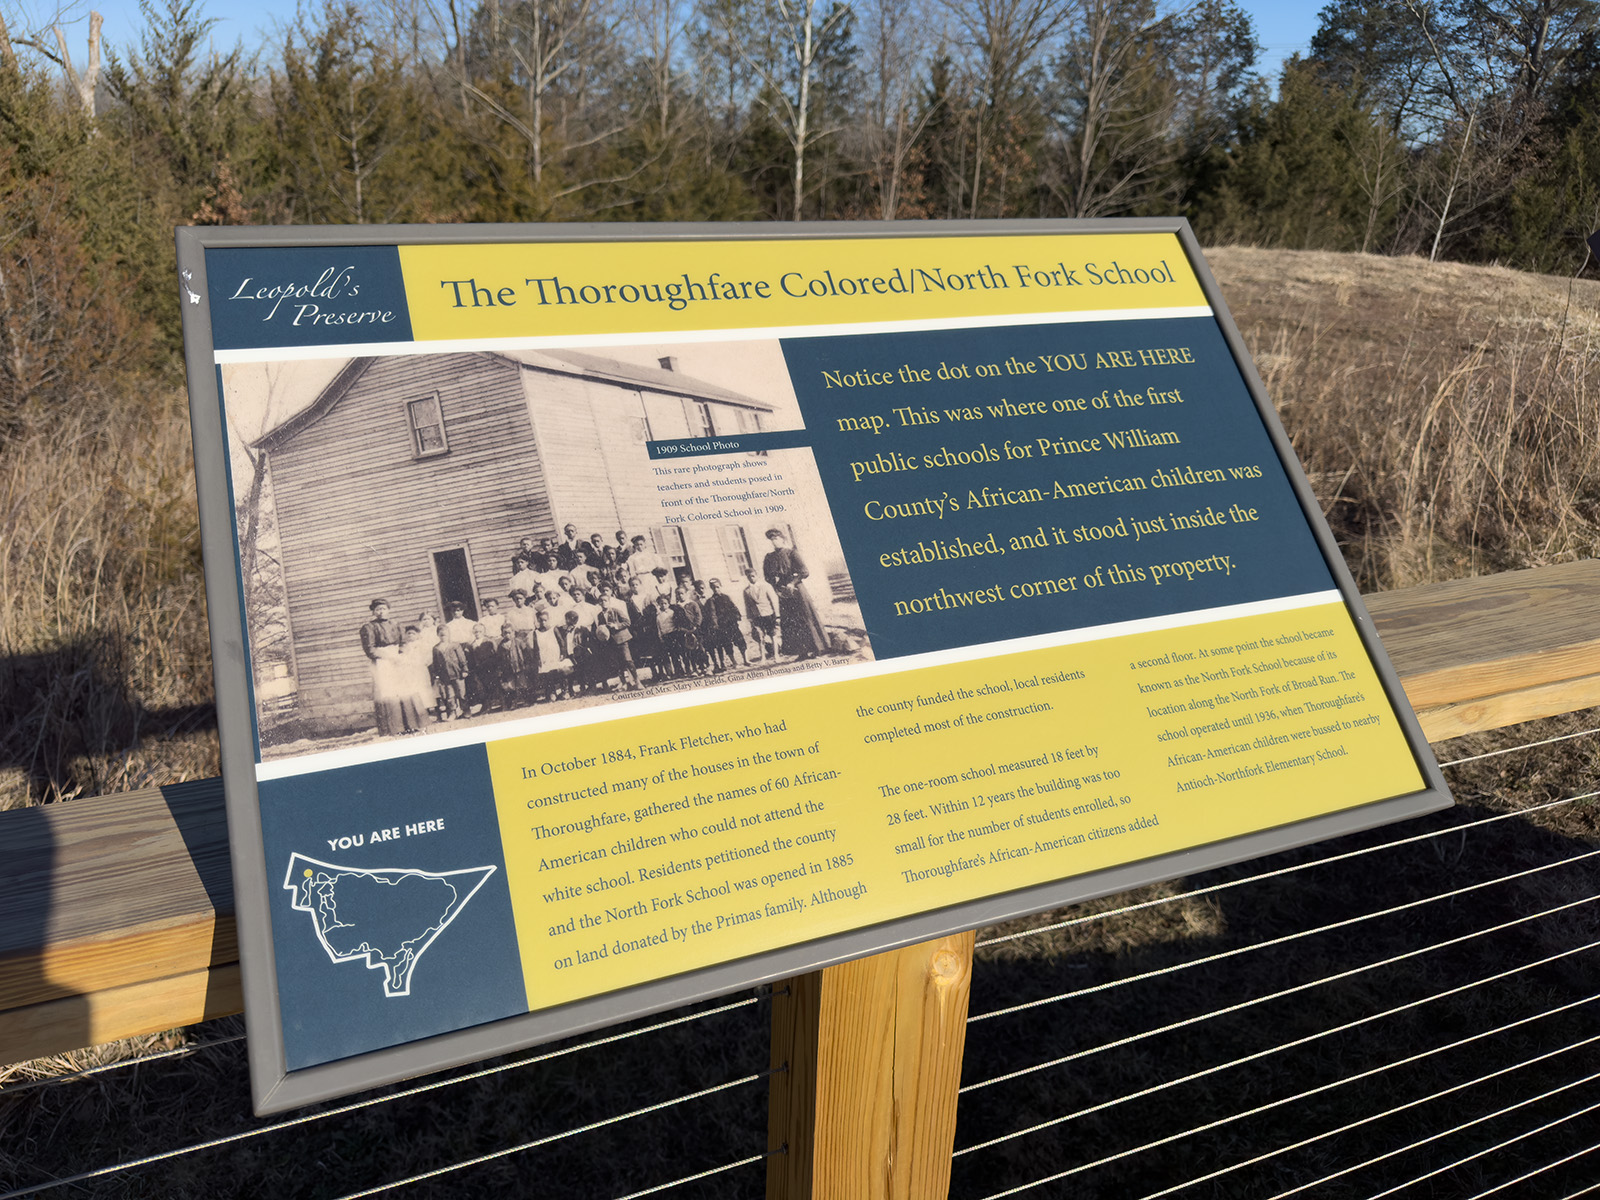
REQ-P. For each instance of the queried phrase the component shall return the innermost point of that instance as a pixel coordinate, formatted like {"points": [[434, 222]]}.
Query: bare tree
{"points": [[661, 30], [1375, 51], [8, 56], [722, 28], [1210, 47], [1380, 170], [1519, 46], [88, 82], [554, 47], [345, 116], [1457, 170], [1006, 40], [784, 50], [1119, 104], [1491, 65], [84, 84], [898, 44]]}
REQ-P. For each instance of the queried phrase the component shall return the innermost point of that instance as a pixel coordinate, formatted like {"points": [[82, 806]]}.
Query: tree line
{"points": [[1446, 128]]}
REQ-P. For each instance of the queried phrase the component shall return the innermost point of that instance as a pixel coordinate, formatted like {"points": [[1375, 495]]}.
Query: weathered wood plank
{"points": [[1509, 708], [105, 894], [1471, 638], [120, 891], [103, 1016]]}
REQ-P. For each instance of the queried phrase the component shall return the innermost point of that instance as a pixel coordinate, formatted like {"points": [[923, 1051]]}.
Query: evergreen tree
{"points": [[946, 118], [189, 106], [352, 130], [1555, 207], [1377, 52], [1288, 180], [70, 329]]}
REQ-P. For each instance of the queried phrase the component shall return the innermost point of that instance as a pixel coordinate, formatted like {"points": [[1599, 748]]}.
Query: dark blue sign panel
{"points": [[391, 915], [306, 296], [1114, 470]]}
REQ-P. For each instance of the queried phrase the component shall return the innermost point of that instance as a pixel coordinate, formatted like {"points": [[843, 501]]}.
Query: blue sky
{"points": [[1282, 26]]}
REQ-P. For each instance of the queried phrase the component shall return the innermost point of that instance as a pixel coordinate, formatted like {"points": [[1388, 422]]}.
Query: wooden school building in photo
{"points": [[414, 477]]}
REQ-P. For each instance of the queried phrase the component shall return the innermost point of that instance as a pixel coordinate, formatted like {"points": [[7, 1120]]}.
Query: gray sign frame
{"points": [[274, 1087]]}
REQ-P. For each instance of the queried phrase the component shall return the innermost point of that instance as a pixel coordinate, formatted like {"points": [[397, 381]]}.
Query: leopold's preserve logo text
{"points": [[324, 301]]}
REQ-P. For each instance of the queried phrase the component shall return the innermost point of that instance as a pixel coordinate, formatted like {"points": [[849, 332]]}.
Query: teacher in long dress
{"points": [[798, 624], [380, 641]]}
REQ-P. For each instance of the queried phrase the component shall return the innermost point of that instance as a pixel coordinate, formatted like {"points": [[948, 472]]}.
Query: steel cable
{"points": [[1487, 1150], [726, 1167], [1389, 1112], [1260, 1108], [507, 1151], [1282, 1046], [1565, 737], [1278, 995], [1285, 939], [1549, 1166], [1281, 871], [371, 1102]]}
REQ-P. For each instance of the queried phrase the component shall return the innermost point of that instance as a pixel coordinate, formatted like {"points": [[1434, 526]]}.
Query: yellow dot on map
{"points": [[308, 872]]}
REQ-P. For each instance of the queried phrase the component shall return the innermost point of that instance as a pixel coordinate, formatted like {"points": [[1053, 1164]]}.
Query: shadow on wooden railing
{"points": [[119, 909]]}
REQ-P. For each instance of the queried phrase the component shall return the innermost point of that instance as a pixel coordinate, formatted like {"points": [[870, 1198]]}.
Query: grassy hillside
{"points": [[1447, 414]]}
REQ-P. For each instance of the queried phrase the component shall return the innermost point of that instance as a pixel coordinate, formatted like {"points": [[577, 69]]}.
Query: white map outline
{"points": [[303, 864]]}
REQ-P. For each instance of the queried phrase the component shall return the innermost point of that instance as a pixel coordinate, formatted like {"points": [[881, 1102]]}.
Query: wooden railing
{"points": [[119, 909]]}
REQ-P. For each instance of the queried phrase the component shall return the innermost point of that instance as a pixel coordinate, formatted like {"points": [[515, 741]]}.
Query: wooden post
{"points": [[867, 1107]]}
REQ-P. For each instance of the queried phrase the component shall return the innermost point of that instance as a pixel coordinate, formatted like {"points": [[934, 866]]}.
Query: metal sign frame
{"points": [[275, 1085]]}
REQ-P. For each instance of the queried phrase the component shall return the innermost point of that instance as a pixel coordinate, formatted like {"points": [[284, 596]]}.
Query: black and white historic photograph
{"points": [[429, 540]]}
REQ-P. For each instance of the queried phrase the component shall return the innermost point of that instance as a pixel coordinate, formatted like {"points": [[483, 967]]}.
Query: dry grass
{"points": [[1448, 417], [105, 667]]}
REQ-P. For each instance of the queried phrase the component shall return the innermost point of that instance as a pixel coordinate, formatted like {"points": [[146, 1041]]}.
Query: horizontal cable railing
{"points": [[1550, 1166], [646, 1110], [1587, 1189], [1323, 1180], [1269, 1106], [1283, 1046], [1549, 741], [1276, 873], [437, 1085], [1325, 980], [1283, 940], [699, 1175], [1488, 1150], [1502, 1079]]}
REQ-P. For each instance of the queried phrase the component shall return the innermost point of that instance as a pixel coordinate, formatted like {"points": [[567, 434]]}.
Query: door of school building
{"points": [[453, 571]]}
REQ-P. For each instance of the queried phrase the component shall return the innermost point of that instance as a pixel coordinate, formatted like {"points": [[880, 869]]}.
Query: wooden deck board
{"points": [[108, 894], [1483, 653]]}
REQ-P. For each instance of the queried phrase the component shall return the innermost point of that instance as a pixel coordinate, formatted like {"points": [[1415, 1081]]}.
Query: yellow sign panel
{"points": [[579, 288], [657, 844]]}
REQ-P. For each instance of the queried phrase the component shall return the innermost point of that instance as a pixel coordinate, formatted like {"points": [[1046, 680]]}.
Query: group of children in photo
{"points": [[586, 618]]}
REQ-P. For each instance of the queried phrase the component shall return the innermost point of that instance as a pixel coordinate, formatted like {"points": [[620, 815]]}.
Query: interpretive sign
{"points": [[607, 617]]}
